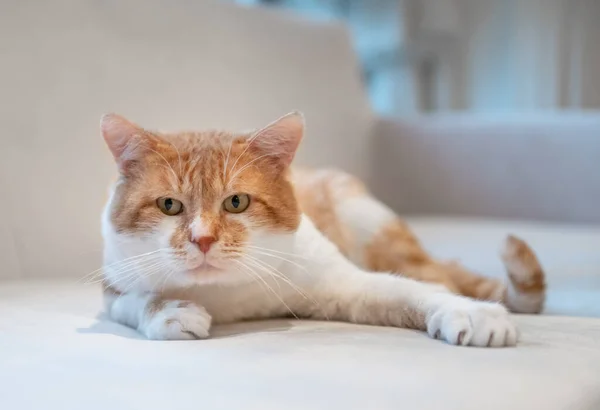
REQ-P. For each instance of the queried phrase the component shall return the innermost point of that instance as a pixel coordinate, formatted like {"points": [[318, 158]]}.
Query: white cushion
{"points": [[55, 354]]}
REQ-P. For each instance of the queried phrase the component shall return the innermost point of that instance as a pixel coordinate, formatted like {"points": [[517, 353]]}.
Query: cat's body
{"points": [[206, 228], [372, 236]]}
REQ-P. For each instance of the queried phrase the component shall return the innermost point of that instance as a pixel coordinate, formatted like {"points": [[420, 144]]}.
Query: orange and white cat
{"points": [[214, 227]]}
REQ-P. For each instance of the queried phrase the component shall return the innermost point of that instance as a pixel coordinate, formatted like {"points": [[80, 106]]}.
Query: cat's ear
{"points": [[125, 139], [280, 139]]}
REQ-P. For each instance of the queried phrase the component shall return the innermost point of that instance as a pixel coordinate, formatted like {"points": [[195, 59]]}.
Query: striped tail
{"points": [[526, 289]]}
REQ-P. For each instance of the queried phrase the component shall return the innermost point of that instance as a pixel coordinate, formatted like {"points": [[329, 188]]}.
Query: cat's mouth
{"points": [[204, 268]]}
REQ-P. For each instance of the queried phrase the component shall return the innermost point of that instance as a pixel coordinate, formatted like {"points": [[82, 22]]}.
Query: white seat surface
{"points": [[56, 352]]}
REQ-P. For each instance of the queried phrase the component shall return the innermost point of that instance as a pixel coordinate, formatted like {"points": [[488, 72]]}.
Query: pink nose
{"points": [[205, 242]]}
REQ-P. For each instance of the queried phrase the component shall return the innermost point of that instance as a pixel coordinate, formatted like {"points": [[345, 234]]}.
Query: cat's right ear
{"points": [[125, 139]]}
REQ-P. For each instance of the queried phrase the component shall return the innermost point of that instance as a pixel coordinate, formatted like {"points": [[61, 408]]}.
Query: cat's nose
{"points": [[205, 242]]}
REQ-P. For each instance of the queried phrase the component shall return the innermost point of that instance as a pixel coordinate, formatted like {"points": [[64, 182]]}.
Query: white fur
{"points": [[177, 322], [308, 277], [364, 224], [199, 228]]}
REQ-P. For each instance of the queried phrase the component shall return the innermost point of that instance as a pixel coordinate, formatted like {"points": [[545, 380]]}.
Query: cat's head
{"points": [[196, 207]]}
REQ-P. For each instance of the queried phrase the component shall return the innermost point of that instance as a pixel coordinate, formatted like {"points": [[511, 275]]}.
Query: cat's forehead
{"points": [[193, 142], [201, 153], [208, 161]]}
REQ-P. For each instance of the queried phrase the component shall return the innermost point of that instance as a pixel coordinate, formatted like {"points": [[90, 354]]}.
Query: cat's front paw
{"points": [[472, 323], [177, 320]]}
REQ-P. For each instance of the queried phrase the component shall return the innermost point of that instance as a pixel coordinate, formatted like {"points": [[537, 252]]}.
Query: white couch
{"points": [[211, 64]]}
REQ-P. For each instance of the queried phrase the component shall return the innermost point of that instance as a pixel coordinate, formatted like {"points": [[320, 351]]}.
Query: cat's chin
{"points": [[207, 274], [205, 269]]}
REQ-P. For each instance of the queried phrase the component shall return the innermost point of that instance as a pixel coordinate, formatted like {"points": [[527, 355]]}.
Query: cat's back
{"points": [[318, 192]]}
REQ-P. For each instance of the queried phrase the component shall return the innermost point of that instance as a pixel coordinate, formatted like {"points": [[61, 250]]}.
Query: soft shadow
{"points": [[242, 328], [106, 326]]}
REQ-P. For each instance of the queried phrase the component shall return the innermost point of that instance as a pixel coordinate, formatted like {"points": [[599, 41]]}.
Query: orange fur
{"points": [[394, 248]]}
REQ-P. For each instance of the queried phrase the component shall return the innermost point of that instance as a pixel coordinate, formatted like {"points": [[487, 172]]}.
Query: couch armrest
{"points": [[544, 167]]}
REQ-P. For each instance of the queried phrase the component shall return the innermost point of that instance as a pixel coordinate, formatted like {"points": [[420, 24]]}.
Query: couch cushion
{"points": [[54, 353], [527, 166]]}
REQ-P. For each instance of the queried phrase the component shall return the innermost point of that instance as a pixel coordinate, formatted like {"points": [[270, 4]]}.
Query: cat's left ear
{"points": [[280, 139], [127, 141]]}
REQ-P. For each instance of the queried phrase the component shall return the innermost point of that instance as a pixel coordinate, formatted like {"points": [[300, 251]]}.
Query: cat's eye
{"points": [[169, 206], [236, 203]]}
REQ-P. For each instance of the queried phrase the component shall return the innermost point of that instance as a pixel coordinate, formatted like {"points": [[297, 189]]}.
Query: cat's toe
{"points": [[178, 320], [492, 326], [473, 323], [452, 328]]}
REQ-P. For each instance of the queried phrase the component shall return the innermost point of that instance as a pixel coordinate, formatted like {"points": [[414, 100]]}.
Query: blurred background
{"points": [[478, 109], [481, 56]]}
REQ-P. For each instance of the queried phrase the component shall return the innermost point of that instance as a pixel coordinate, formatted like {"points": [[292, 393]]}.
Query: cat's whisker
{"points": [[145, 274], [281, 258], [134, 279], [247, 273], [265, 267], [92, 276], [122, 283], [284, 277], [168, 276], [256, 275], [268, 252], [278, 252], [126, 266], [129, 283], [118, 262], [270, 274], [254, 263], [122, 269], [243, 249], [278, 274], [125, 275]]}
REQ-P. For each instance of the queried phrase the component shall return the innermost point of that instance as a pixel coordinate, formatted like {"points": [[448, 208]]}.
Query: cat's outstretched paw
{"points": [[472, 323], [177, 320]]}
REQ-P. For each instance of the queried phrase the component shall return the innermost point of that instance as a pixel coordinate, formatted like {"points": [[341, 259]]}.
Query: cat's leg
{"points": [[347, 293], [524, 292], [339, 290], [382, 242], [157, 317]]}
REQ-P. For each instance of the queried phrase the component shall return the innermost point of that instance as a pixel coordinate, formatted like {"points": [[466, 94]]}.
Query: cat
{"points": [[215, 227]]}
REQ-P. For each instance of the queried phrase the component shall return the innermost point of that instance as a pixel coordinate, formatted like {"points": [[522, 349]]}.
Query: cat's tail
{"points": [[526, 288], [523, 292]]}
